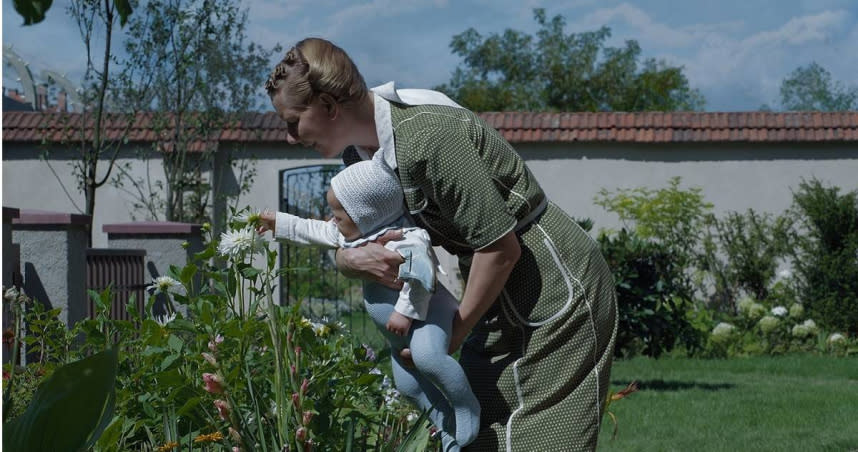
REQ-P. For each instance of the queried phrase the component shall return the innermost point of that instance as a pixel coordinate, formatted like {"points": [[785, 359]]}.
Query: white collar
{"points": [[383, 95]]}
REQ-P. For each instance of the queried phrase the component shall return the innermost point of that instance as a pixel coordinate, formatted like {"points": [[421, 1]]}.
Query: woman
{"points": [[539, 307]]}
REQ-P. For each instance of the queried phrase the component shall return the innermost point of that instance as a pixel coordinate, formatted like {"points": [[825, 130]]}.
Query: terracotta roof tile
{"points": [[641, 127]]}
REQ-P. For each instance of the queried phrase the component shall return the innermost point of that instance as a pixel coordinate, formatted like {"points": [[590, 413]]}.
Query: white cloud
{"points": [[801, 30]]}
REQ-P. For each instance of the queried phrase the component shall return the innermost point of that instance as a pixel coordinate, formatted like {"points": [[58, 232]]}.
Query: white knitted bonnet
{"points": [[370, 193]]}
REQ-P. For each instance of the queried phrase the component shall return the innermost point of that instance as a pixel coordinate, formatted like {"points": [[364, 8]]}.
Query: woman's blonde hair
{"points": [[315, 66]]}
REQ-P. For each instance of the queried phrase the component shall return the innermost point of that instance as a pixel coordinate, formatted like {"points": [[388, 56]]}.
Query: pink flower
{"points": [[296, 400], [304, 386], [301, 434], [209, 358], [215, 342], [213, 383], [222, 409], [307, 417], [297, 352]]}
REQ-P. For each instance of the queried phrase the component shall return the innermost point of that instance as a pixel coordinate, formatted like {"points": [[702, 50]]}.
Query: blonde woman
{"points": [[537, 320]]}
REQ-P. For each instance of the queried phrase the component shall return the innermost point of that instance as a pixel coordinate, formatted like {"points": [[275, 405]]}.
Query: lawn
{"points": [[792, 403]]}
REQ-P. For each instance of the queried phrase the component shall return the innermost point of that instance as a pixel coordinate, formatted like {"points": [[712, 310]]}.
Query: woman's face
{"points": [[314, 126]]}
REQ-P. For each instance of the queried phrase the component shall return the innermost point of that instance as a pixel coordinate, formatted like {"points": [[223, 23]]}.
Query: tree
{"points": [[96, 18], [189, 65], [810, 88], [563, 72]]}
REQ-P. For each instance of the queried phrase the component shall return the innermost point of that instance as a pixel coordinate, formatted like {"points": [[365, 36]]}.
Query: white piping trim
{"points": [[431, 113], [513, 192], [518, 393], [567, 278]]}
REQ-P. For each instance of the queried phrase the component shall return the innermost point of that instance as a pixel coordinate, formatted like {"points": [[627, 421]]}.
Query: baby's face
{"points": [[344, 222]]}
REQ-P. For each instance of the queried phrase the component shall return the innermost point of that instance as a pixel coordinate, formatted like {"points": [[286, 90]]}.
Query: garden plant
{"points": [[221, 366]]}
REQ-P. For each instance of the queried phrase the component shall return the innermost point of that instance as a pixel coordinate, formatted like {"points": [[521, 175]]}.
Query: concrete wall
{"points": [[33, 183], [733, 176]]}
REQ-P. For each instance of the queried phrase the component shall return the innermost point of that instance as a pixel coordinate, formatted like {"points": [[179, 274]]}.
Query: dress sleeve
{"points": [[447, 166], [304, 231]]}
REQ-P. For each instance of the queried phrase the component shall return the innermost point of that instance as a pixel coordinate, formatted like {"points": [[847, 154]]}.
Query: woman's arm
{"points": [[373, 262], [490, 269]]}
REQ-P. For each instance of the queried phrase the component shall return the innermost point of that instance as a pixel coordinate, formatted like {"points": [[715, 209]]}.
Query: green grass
{"points": [[791, 403]]}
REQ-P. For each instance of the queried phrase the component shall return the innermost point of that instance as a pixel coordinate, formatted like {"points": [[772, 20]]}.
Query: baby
{"points": [[366, 201]]}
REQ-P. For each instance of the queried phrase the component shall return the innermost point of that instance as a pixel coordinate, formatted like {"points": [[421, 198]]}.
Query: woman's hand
{"points": [[373, 262]]}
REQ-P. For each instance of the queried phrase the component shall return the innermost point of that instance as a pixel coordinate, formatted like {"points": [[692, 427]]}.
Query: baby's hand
{"points": [[398, 324], [267, 219]]}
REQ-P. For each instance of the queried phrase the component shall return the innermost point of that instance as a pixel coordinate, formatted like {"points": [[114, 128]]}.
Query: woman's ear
{"points": [[330, 104]]}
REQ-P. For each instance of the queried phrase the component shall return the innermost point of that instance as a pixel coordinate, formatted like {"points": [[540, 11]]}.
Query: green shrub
{"points": [[653, 313], [741, 253], [825, 254], [671, 217]]}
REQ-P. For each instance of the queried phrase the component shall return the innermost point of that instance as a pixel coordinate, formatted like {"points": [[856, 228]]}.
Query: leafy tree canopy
{"points": [[810, 88], [555, 71]]}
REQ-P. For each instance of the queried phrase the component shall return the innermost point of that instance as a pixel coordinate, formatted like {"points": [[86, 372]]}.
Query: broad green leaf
{"points": [[33, 11], [80, 394], [170, 359], [187, 274], [123, 7]]}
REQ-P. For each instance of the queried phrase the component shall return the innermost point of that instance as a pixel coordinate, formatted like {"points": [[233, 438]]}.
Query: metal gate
{"points": [[121, 270], [312, 277]]}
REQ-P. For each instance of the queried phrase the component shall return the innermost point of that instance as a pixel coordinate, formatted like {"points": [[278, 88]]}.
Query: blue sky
{"points": [[736, 52]]}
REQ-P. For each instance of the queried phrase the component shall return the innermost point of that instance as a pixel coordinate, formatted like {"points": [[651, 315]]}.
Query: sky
{"points": [[736, 52]]}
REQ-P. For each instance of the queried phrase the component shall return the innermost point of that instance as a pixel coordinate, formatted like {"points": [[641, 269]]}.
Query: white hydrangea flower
{"points": [[722, 332], [811, 326], [803, 330], [745, 304], [756, 311], [779, 311], [165, 285], [238, 243], [796, 311], [785, 274], [836, 339], [768, 324], [412, 416]]}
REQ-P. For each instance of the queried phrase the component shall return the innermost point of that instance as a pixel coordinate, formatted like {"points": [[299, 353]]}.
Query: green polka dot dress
{"points": [[539, 361]]}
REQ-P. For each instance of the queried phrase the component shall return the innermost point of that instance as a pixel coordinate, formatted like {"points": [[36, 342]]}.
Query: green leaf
{"points": [[175, 343], [250, 273], [187, 274], [192, 403], [123, 7], [81, 394], [33, 11], [170, 359]]}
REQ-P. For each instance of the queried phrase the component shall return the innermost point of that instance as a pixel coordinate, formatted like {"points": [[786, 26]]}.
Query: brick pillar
{"points": [[53, 260]]}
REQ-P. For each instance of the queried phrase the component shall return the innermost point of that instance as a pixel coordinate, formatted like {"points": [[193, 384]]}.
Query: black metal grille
{"points": [[121, 270], [312, 277]]}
